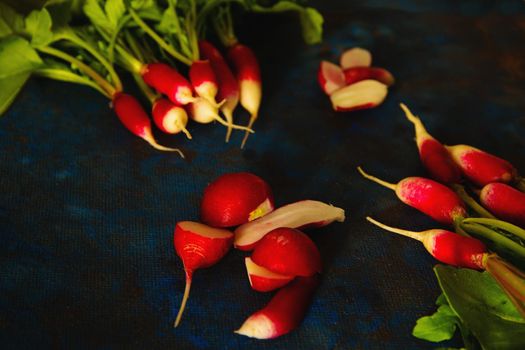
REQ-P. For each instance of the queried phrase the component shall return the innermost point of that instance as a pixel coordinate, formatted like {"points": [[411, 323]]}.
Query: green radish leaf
{"points": [[38, 25], [10, 86], [11, 22], [115, 9], [17, 57], [438, 327], [96, 14], [147, 9], [169, 23]]}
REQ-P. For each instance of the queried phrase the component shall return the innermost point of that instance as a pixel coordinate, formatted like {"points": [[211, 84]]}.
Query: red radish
{"points": [[203, 80], [249, 78], [481, 167], [356, 74], [287, 251], [136, 120], [433, 154], [199, 246], [505, 202], [203, 111], [355, 57], [170, 118], [228, 85], [306, 213], [428, 196], [330, 77], [264, 280], [284, 312], [446, 246], [234, 199], [165, 79], [361, 95]]}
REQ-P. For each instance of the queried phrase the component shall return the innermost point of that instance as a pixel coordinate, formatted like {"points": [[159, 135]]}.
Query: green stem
{"points": [[192, 34], [114, 37], [491, 235], [150, 95], [70, 77], [503, 225], [457, 227], [134, 46], [471, 202], [521, 184], [223, 25]]}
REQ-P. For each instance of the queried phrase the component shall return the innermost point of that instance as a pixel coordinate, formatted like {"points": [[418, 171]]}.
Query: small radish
{"points": [[170, 118], [234, 199], [166, 80], [136, 120], [330, 77], [361, 95], [306, 213], [284, 312], [428, 196], [262, 279], [355, 57], [433, 154], [505, 202], [199, 246], [203, 111], [481, 167], [249, 78], [356, 74], [203, 79], [287, 251], [446, 246]]}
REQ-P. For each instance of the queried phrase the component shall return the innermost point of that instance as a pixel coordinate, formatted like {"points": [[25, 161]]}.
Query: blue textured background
{"points": [[87, 210]]}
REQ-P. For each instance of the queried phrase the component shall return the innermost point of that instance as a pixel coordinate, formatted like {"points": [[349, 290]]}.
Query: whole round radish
{"points": [[236, 198]]}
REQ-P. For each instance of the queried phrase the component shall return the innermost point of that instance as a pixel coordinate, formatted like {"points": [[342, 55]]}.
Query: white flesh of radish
{"points": [[356, 57], [366, 93], [332, 77]]}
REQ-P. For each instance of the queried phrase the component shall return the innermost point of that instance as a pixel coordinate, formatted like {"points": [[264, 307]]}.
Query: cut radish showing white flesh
{"points": [[330, 77], [262, 279], [355, 57], [361, 95]]}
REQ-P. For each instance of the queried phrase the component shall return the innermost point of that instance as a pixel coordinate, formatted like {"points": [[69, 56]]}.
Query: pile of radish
{"points": [[283, 258], [354, 84]]}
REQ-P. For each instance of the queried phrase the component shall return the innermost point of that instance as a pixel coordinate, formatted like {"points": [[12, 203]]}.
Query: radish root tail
{"points": [[183, 303]]}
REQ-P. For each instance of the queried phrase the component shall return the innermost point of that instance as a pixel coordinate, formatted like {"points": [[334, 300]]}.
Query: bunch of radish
{"points": [[354, 84], [282, 258]]}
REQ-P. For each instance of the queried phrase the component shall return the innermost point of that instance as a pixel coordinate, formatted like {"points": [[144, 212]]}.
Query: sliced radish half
{"points": [[356, 74], [361, 95], [262, 279], [355, 57], [330, 77]]}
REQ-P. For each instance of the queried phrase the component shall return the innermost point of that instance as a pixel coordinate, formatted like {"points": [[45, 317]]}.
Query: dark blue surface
{"points": [[87, 210]]}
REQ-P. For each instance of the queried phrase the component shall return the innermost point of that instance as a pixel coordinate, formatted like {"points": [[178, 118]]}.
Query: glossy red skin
{"points": [[228, 85], [202, 72], [483, 168], [453, 249], [356, 74], [165, 79], [262, 284], [131, 114], [160, 108], [289, 252], [245, 63], [505, 202], [229, 200], [438, 162], [432, 198]]}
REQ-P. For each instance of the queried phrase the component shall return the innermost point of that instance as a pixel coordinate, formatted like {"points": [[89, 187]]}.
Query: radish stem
{"points": [[184, 300], [515, 230], [377, 180], [491, 235], [412, 234], [462, 193], [70, 77]]}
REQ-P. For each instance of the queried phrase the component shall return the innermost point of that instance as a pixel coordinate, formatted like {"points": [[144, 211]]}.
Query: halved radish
{"points": [[355, 57], [356, 74], [330, 77], [262, 279], [361, 95]]}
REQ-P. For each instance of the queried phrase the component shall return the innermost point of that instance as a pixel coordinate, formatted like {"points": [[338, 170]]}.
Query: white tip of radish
{"points": [[258, 326], [148, 137], [356, 57], [330, 77], [250, 95], [361, 95]]}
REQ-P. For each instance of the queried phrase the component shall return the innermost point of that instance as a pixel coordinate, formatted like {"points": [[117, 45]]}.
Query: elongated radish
{"points": [[355, 57], [428, 196], [228, 85], [249, 78], [330, 77], [199, 246], [203, 79], [287, 251], [434, 156], [362, 95], [284, 312], [234, 199], [262, 279], [505, 202], [203, 111], [166, 80], [306, 213], [356, 74], [136, 120], [170, 118]]}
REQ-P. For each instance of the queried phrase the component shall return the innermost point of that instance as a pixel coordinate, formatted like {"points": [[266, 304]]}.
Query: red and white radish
{"points": [[203, 79], [199, 246], [136, 120], [362, 95], [166, 80], [434, 156], [306, 213], [428, 196], [287, 251], [504, 201], [263, 280], [330, 77], [236, 198], [355, 57], [356, 74], [284, 312], [170, 118], [204, 112]]}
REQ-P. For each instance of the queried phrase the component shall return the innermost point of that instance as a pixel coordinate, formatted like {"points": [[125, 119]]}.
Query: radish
{"points": [[505, 202], [249, 78], [136, 120], [356, 74], [228, 85], [428, 196], [203, 111], [361, 95], [166, 80], [284, 312], [262, 279], [287, 251], [198, 246], [330, 77], [300, 214], [355, 57], [203, 80], [170, 118], [433, 154], [234, 199], [446, 246]]}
